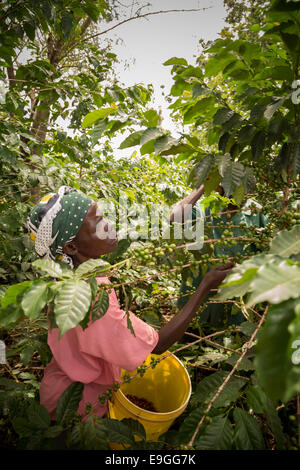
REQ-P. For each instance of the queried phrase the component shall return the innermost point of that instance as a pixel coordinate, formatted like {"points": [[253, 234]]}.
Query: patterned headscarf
{"points": [[56, 220]]}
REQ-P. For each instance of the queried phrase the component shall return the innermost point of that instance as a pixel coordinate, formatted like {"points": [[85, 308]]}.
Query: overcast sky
{"points": [[149, 42], [144, 44]]}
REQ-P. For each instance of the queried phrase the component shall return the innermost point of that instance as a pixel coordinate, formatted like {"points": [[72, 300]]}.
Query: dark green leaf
{"points": [[273, 420], [257, 112], [223, 115], [136, 427], [291, 41], [26, 354], [10, 315], [29, 28], [53, 432], [224, 139], [98, 130], [23, 427], [38, 416], [253, 398], [247, 328], [209, 386], [119, 432], [76, 435], [218, 435], [189, 425], [233, 177], [66, 23], [280, 72], [239, 74], [248, 435], [223, 162], [94, 434], [91, 9], [203, 169], [234, 121], [68, 403], [258, 144], [212, 182], [273, 107], [246, 364]]}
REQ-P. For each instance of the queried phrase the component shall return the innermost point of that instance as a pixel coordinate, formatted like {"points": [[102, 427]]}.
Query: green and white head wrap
{"points": [[56, 220]]}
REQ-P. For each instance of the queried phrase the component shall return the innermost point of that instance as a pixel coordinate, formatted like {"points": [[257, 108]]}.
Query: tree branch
{"points": [[143, 16], [11, 76]]}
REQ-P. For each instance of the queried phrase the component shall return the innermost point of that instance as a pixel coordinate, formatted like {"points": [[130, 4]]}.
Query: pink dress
{"points": [[95, 356]]}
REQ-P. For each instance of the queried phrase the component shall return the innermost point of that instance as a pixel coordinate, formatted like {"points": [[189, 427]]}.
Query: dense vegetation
{"points": [[239, 110]]}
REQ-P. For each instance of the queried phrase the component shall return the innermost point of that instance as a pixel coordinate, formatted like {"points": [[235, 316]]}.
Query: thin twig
{"points": [[214, 369], [152, 276], [213, 343], [247, 346], [11, 372], [143, 16]]}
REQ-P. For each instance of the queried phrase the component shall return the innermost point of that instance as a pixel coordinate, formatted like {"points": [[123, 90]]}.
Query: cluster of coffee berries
{"points": [[150, 254], [141, 370]]}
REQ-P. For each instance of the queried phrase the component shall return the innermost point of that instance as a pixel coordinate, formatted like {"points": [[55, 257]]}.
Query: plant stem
{"points": [[247, 346]]}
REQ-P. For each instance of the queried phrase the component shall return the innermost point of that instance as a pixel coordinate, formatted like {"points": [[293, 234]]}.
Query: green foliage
{"points": [[71, 297], [218, 435], [286, 243], [34, 301], [247, 431], [207, 388], [90, 266], [94, 434], [71, 304], [68, 402]]}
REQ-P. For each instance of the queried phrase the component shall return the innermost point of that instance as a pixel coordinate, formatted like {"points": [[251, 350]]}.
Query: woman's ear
{"points": [[70, 248]]}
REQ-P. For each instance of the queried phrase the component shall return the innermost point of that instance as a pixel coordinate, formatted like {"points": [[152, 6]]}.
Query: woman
{"points": [[68, 226]]}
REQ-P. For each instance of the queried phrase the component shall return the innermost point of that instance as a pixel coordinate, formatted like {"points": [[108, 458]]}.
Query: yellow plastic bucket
{"points": [[167, 386]]}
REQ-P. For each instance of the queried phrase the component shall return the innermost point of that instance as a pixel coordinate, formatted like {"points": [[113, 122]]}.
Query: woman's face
{"points": [[96, 236]]}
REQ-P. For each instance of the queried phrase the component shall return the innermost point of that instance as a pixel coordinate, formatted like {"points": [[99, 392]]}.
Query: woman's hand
{"points": [[173, 331], [216, 276]]}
